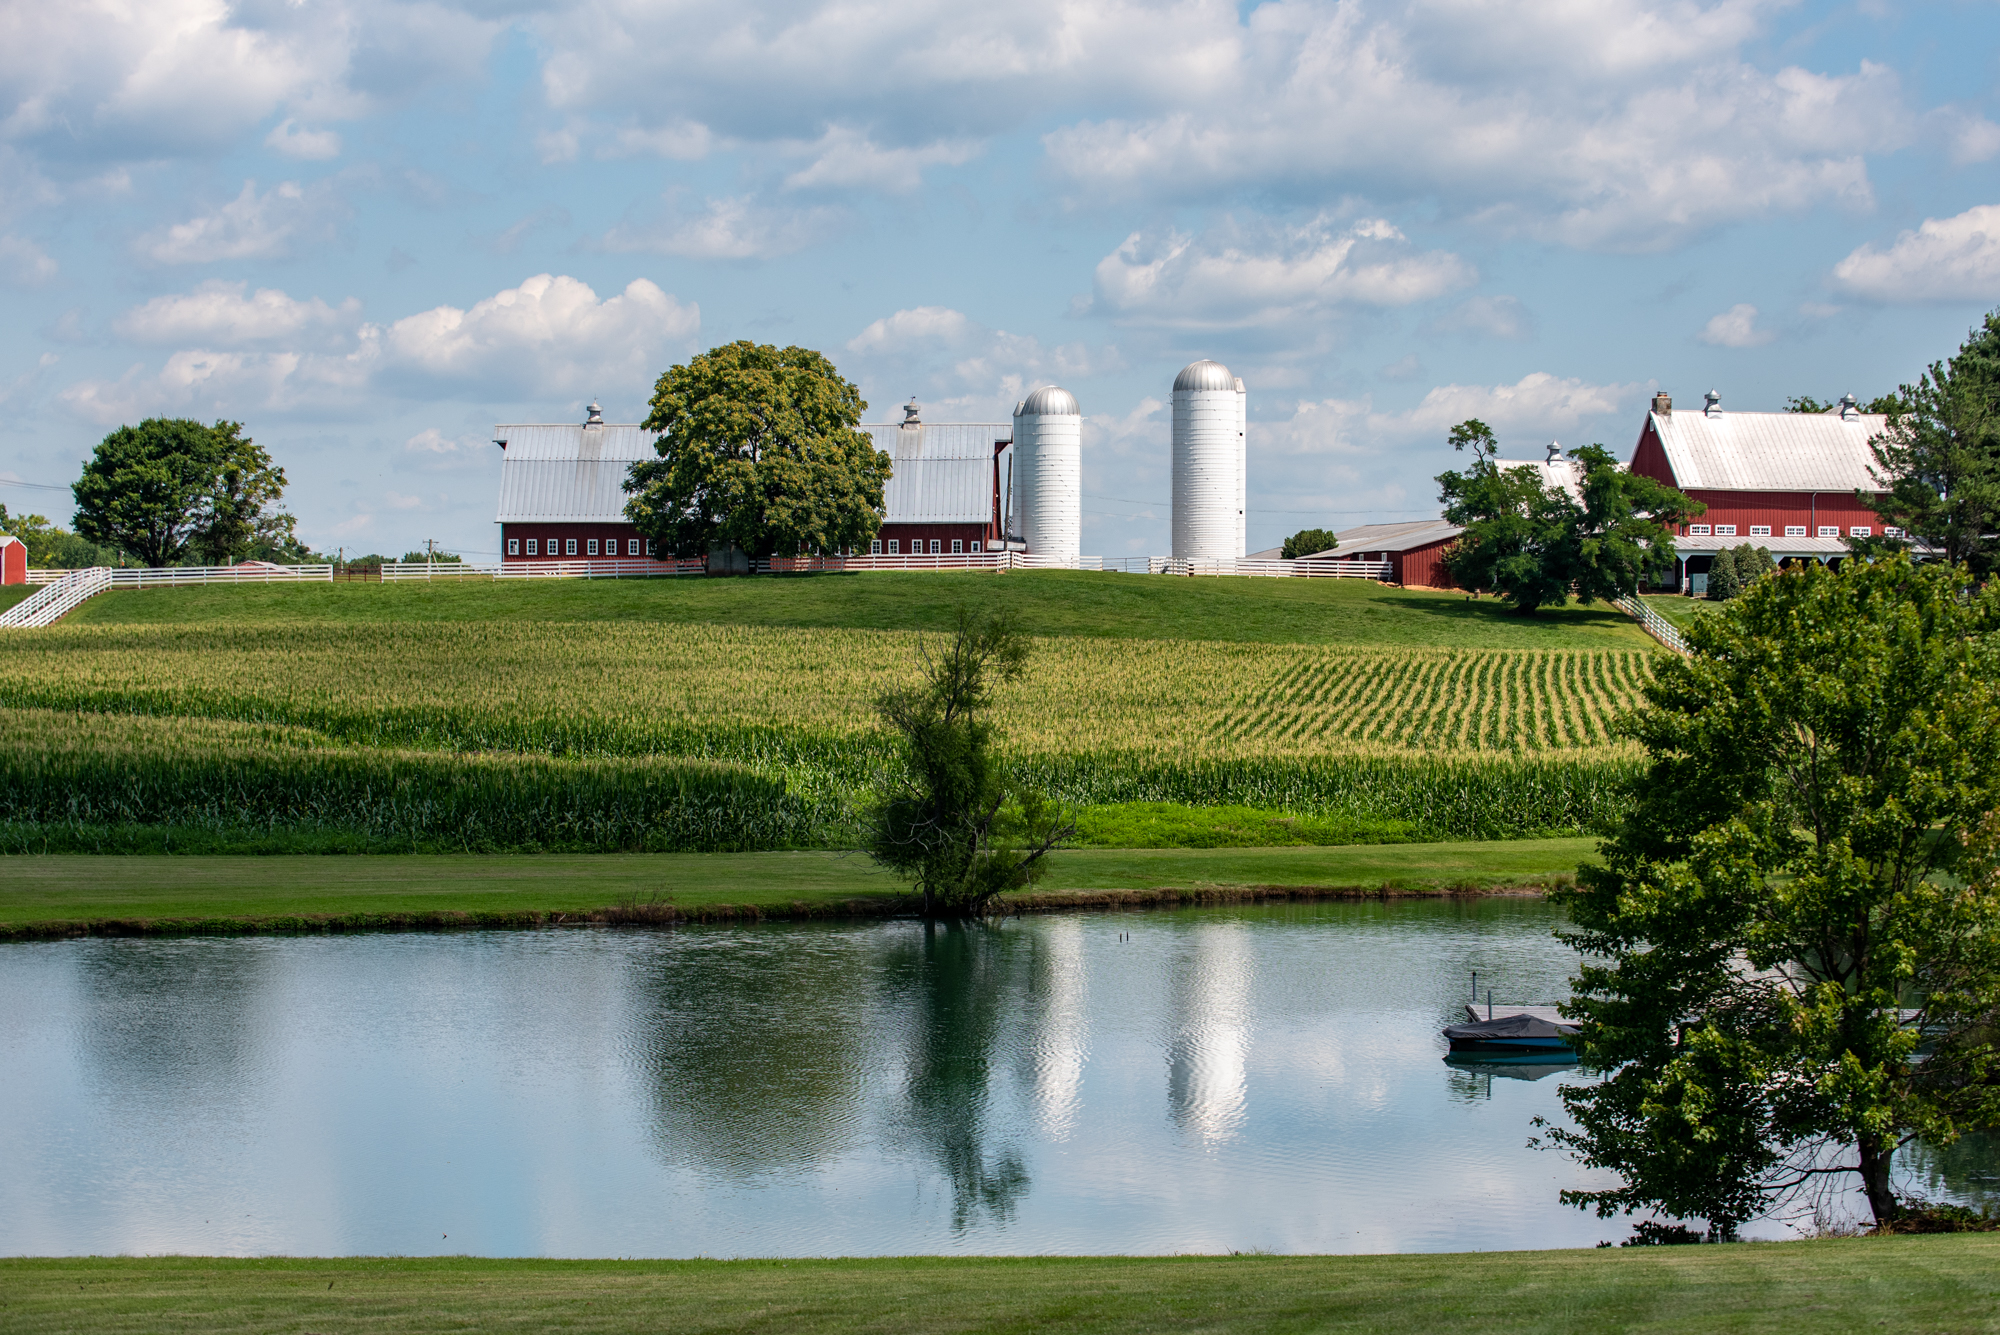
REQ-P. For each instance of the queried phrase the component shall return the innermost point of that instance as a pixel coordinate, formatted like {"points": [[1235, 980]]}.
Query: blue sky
{"points": [[371, 229]]}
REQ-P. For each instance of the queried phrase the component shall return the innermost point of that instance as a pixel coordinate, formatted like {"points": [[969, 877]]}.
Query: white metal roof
{"points": [[1769, 451], [568, 473], [943, 471], [1395, 537]]}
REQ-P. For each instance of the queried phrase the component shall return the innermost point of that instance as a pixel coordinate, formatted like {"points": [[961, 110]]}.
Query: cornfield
{"points": [[1461, 743]]}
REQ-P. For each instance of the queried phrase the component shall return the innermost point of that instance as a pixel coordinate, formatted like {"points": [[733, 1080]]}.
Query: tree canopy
{"points": [[1801, 892], [50, 546], [952, 820], [758, 451], [1533, 541], [171, 488], [1939, 458], [1309, 542]]}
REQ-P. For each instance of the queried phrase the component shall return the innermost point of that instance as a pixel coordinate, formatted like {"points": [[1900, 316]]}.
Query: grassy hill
{"points": [[734, 714], [1087, 604]]}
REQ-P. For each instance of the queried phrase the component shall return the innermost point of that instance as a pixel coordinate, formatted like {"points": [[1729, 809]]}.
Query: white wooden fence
{"points": [[62, 591], [395, 572], [1654, 624]]}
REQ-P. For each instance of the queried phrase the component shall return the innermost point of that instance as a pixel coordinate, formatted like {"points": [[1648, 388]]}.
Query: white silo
{"points": [[1048, 474], [1209, 458]]}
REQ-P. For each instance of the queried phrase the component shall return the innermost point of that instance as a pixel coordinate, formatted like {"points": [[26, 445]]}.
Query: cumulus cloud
{"points": [[846, 157], [219, 314], [1952, 259], [961, 368], [1241, 275], [97, 81], [1736, 328], [23, 263], [549, 336], [294, 141], [550, 332], [433, 441], [1535, 406], [250, 227], [734, 228]]}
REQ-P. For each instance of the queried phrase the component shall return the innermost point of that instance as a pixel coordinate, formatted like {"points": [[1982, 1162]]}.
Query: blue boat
{"points": [[1531, 1033]]}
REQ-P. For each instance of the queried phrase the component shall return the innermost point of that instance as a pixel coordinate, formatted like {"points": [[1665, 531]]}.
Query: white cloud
{"points": [[1240, 275], [433, 441], [23, 263], [1954, 259], [1736, 328], [1531, 409], [845, 157], [249, 227], [396, 500], [921, 325], [218, 314], [550, 333], [551, 336], [294, 141], [98, 80], [963, 370], [738, 228]]}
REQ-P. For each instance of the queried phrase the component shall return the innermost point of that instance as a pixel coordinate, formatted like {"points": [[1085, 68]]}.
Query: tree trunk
{"points": [[1875, 1182]]}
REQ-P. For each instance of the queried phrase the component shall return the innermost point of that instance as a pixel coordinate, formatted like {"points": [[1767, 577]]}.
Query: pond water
{"points": [[1260, 1078]]}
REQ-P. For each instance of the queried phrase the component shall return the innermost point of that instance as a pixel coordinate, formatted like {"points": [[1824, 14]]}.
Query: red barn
{"points": [[944, 493], [1414, 550], [1783, 481], [13, 561]]}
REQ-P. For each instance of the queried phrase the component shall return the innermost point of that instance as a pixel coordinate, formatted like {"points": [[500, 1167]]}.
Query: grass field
{"points": [[1325, 699], [218, 890], [1943, 1284], [1046, 602]]}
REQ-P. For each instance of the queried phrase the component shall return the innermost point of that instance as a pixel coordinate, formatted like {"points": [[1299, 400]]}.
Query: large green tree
{"points": [[758, 451], [1792, 961], [1534, 541], [1939, 458], [171, 488], [950, 817]]}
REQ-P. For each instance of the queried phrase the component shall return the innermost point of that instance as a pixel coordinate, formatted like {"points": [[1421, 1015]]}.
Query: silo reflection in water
{"points": [[1209, 1047]]}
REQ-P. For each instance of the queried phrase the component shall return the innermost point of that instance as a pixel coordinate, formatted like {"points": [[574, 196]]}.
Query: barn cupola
{"points": [[1850, 408], [594, 416], [1712, 404]]}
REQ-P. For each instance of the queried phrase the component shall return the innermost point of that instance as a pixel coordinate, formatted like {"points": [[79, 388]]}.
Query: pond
{"points": [[1263, 1078]]}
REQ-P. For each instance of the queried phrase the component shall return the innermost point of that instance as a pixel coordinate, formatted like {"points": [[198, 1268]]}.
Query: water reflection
{"points": [[952, 985], [1263, 1077], [1209, 1047]]}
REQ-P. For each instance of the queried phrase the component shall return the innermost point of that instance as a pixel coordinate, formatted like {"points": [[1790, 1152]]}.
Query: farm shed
{"points": [[1414, 549], [13, 561], [1785, 481]]}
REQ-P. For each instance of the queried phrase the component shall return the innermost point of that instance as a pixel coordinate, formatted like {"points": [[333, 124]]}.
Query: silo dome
{"points": [[1049, 400], [1048, 474], [1205, 374]]}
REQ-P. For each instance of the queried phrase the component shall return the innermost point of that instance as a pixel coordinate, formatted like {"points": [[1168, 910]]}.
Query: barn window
{"points": [[513, 546], [631, 546], [1860, 531], [1892, 532], [934, 547], [875, 547], [1760, 530], [1829, 530], [1795, 530], [591, 547], [957, 547], [1725, 530], [893, 544], [1698, 530], [531, 546], [570, 545], [649, 547]]}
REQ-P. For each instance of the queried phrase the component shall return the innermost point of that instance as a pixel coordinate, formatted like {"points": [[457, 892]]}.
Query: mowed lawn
{"points": [[1045, 602], [249, 889], [1927, 1284]]}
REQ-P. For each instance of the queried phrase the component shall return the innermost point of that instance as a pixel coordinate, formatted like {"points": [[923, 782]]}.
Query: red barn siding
{"points": [[1423, 566], [543, 534]]}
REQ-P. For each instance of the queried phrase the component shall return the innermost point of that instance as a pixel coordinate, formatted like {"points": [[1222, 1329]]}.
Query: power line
{"points": [[32, 486]]}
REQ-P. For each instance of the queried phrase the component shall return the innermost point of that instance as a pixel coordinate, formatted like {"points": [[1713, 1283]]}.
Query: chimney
{"points": [[1663, 404], [1850, 408], [1712, 402]]}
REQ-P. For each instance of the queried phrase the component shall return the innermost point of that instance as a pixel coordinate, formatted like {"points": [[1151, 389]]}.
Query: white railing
{"points": [[1652, 622], [53, 599], [1349, 568], [624, 568], [157, 577]]}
